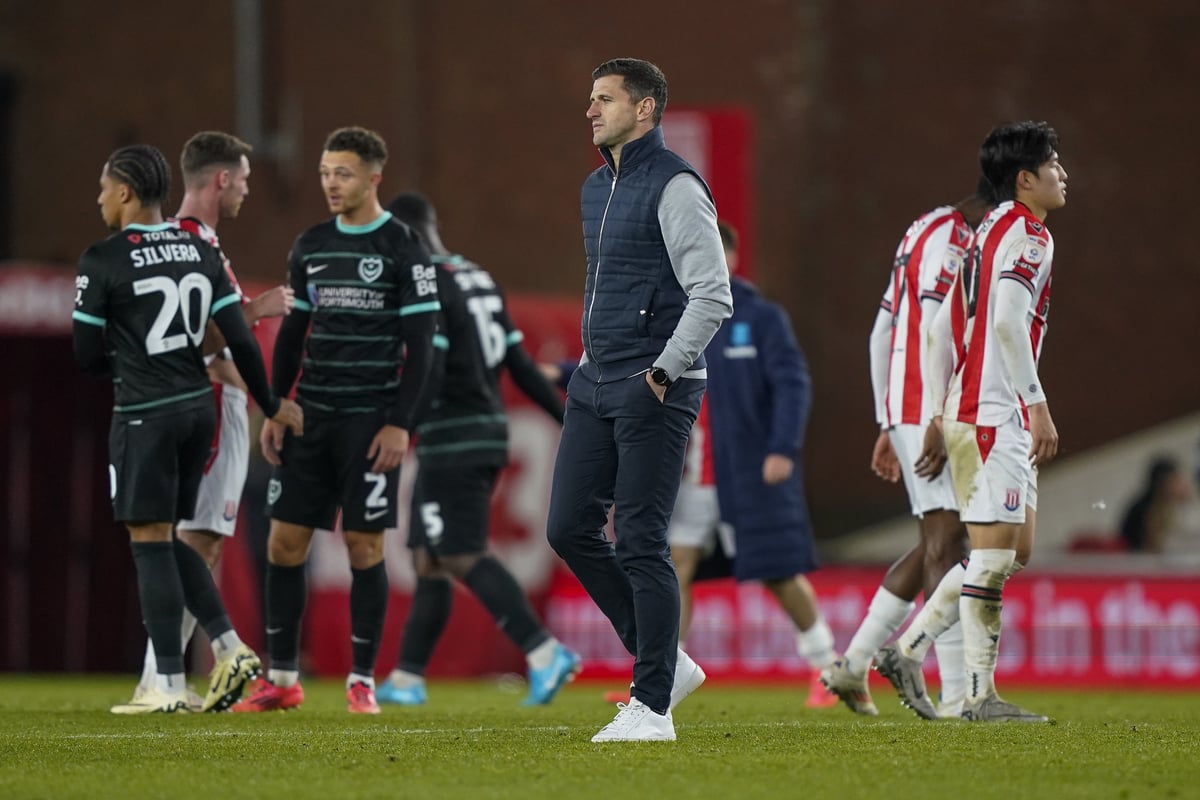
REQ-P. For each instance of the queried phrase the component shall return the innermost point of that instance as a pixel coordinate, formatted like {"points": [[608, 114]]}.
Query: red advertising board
{"points": [[1059, 628]]}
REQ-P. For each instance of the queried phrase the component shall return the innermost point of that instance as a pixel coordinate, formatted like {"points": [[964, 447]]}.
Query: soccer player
{"points": [[990, 403], [927, 260], [143, 299], [216, 174], [462, 445], [366, 285]]}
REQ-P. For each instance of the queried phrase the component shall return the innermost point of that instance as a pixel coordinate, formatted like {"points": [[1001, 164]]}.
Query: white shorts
{"points": [[993, 478], [923, 494], [696, 520], [225, 473]]}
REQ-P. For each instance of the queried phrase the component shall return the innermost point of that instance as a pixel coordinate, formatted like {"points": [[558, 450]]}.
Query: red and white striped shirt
{"points": [[929, 256], [1010, 244], [208, 234]]}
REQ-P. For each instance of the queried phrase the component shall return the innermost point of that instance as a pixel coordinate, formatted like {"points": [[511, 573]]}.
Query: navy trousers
{"points": [[621, 447]]}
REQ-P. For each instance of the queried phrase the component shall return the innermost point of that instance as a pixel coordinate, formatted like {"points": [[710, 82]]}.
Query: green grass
{"points": [[57, 740]]}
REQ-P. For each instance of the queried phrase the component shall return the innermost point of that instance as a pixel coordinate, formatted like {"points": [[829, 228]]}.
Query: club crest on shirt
{"points": [[274, 489], [230, 512], [370, 268], [1012, 499], [741, 342]]}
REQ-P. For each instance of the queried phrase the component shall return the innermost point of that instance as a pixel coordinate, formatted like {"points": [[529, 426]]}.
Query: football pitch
{"points": [[58, 740]]}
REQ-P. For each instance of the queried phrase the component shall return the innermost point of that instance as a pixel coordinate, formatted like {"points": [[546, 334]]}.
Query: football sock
{"points": [[949, 650], [283, 678], [502, 596], [149, 665], [427, 618], [816, 644], [161, 596], [542, 656], [357, 677], [200, 591], [980, 608], [935, 617], [171, 684], [225, 644], [885, 615], [287, 591], [368, 606]]}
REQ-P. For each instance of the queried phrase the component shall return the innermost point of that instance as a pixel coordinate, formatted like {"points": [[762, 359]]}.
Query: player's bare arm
{"points": [[933, 456], [777, 468], [277, 301], [884, 462], [270, 441], [388, 448], [1044, 435]]}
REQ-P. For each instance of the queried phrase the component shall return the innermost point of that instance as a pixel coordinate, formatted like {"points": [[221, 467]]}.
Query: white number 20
{"points": [[191, 288]]}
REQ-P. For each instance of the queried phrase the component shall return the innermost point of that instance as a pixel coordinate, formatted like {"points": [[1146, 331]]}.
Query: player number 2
{"points": [[375, 498], [491, 333], [192, 295]]}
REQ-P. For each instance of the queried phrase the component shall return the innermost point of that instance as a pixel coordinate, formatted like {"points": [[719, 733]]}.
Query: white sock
{"points": [[949, 650], [354, 678], [403, 680], [980, 607], [816, 644], [149, 669], [171, 684], [150, 662], [224, 644], [283, 678], [935, 617], [188, 629], [885, 615], [541, 656]]}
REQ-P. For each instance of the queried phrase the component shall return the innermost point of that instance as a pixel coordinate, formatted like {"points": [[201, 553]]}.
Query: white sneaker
{"points": [[635, 722], [155, 701], [688, 677]]}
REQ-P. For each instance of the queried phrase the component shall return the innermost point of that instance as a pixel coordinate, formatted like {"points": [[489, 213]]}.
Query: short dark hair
{"points": [[366, 144], [144, 169], [641, 79], [729, 236], [413, 209], [207, 148], [1014, 147]]}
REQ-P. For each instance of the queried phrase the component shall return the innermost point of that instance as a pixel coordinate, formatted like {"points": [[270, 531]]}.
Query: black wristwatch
{"points": [[660, 376]]}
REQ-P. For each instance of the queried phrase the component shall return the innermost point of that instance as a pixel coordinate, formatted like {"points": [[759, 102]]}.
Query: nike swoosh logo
{"points": [[313, 269], [357, 640], [273, 631], [371, 515]]}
